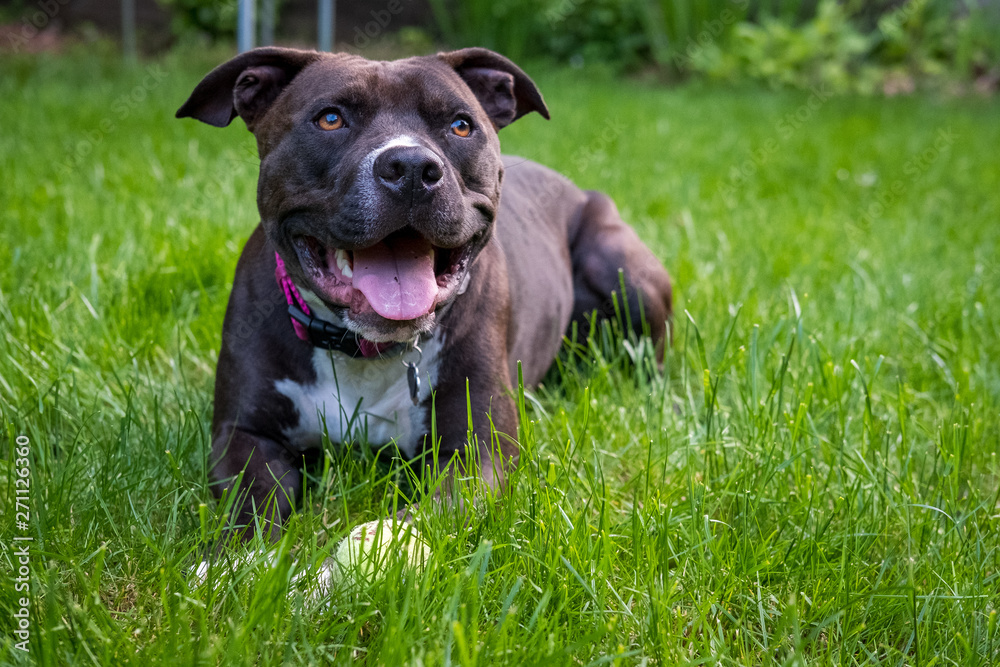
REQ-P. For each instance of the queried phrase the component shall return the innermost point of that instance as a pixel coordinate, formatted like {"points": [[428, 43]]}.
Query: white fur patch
{"points": [[366, 175], [361, 398], [401, 140]]}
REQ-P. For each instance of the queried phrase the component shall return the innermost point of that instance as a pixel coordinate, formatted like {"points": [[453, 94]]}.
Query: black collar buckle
{"points": [[326, 336]]}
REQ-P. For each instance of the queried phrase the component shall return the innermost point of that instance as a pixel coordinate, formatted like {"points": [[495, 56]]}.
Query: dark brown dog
{"points": [[380, 192]]}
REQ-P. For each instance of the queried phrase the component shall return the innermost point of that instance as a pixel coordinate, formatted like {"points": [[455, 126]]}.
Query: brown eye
{"points": [[330, 120], [461, 127]]}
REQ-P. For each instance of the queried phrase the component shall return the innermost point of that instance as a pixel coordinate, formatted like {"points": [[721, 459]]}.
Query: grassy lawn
{"points": [[815, 480]]}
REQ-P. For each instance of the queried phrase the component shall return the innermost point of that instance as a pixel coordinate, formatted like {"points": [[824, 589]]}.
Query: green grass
{"points": [[814, 481]]}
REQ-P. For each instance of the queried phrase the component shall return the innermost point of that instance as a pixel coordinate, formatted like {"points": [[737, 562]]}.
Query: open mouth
{"points": [[402, 277]]}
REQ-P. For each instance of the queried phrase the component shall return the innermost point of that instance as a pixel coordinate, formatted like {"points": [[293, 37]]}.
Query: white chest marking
{"points": [[361, 399]]}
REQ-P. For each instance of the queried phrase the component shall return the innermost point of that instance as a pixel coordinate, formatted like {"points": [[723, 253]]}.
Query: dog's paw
{"points": [[326, 578], [315, 586], [199, 573]]}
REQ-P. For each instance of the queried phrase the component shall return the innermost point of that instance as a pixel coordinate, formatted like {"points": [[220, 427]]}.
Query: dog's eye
{"points": [[330, 120], [461, 127]]}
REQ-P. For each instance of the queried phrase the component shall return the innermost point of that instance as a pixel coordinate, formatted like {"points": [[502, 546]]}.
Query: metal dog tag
{"points": [[413, 379], [413, 372]]}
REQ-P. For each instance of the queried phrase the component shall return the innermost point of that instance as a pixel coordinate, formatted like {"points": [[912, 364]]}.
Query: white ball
{"points": [[370, 549]]}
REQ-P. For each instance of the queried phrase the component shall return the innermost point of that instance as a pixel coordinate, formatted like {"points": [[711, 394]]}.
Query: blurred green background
{"points": [[886, 46]]}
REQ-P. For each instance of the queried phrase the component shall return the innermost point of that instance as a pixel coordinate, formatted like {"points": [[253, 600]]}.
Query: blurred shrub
{"points": [[212, 18], [852, 45], [848, 45], [512, 27], [826, 50], [681, 31], [604, 31], [930, 39], [574, 31]]}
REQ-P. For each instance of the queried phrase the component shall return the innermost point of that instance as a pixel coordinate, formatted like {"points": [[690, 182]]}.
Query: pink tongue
{"points": [[397, 277]]}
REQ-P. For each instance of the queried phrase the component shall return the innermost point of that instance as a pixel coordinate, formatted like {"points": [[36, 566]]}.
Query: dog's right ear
{"points": [[245, 86], [503, 89]]}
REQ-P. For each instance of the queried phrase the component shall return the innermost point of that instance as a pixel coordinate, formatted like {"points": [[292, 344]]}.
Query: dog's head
{"points": [[379, 181]]}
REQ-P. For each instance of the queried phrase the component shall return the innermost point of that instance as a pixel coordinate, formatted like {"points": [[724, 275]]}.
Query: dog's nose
{"points": [[409, 172]]}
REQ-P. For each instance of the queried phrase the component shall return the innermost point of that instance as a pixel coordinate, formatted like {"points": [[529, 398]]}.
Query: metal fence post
{"points": [[327, 22], [267, 21], [246, 25], [129, 47]]}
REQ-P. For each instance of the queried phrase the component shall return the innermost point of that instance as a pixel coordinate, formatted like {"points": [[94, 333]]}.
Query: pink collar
{"points": [[348, 342], [292, 295]]}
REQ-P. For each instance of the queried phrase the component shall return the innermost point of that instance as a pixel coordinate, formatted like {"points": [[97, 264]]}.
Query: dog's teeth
{"points": [[344, 263]]}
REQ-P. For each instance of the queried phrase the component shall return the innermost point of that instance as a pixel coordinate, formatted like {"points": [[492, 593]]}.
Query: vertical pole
{"points": [[267, 21], [246, 22], [129, 44], [327, 20]]}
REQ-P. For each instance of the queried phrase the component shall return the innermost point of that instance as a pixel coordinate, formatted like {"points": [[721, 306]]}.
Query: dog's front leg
{"points": [[473, 383], [269, 480], [489, 449]]}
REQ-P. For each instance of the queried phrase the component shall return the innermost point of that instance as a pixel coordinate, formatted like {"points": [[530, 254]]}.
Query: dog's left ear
{"points": [[505, 92]]}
